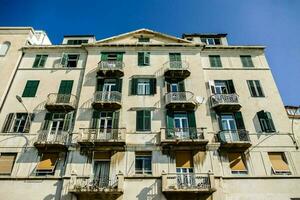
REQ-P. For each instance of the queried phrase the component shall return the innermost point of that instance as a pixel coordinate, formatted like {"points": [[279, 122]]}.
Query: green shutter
{"points": [[43, 60], [134, 86], [147, 120], [116, 119], [230, 86], [259, 89], [252, 88], [140, 58], [96, 114], [261, 116], [104, 56], [139, 120], [181, 87], [8, 122], [170, 123], [119, 56], [147, 58], [270, 122], [65, 87], [100, 83], [48, 116], [30, 89], [192, 124], [239, 121], [36, 61], [64, 60], [175, 60], [68, 121], [246, 61], [215, 61], [152, 86]]}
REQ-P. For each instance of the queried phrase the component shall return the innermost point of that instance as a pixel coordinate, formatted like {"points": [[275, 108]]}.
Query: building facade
{"points": [[144, 115]]}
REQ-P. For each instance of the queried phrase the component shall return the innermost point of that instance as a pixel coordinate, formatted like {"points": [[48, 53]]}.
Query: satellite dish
{"points": [[200, 99]]}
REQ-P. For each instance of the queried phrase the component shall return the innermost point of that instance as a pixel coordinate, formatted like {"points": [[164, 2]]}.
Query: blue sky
{"points": [[273, 23]]}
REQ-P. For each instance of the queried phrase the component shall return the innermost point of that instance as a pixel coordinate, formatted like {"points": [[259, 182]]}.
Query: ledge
{"points": [[31, 178], [142, 177], [259, 177], [240, 68]]}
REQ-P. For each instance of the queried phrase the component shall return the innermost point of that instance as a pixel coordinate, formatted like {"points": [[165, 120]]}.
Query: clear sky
{"points": [[273, 23]]}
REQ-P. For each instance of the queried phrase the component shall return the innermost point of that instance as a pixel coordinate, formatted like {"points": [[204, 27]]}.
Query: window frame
{"points": [[144, 86], [145, 115], [215, 61], [256, 84], [143, 39], [143, 158], [247, 59], [38, 61], [6, 46], [145, 55]]}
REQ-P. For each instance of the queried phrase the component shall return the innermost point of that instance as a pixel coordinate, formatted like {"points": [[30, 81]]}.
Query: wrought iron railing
{"points": [[107, 97], [231, 136], [84, 184], [179, 97], [102, 134], [61, 99], [176, 65], [218, 99], [186, 181], [49, 137], [110, 65], [190, 133]]}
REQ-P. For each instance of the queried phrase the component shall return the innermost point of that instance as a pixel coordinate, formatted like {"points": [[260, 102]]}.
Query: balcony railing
{"points": [[187, 182], [110, 65], [107, 97], [56, 100], [49, 137], [184, 133], [176, 65], [179, 97], [102, 134], [218, 99], [233, 136]]}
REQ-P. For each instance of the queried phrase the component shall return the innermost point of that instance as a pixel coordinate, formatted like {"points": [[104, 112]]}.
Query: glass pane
{"points": [[177, 123]]}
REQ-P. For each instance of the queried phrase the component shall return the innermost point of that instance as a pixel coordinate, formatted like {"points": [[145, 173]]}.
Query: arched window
{"points": [[4, 48]]}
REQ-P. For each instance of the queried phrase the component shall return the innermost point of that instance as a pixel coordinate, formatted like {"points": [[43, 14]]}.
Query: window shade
{"points": [[278, 161], [184, 159], [236, 162], [7, 162], [102, 155], [47, 162]]}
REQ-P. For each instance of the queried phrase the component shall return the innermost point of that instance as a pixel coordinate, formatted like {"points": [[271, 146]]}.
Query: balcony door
{"points": [[101, 173], [104, 125], [56, 128], [184, 169], [64, 92], [229, 126], [108, 86], [181, 125]]}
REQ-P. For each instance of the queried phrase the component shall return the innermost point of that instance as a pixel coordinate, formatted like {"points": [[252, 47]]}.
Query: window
{"points": [[143, 86], [111, 56], [143, 58], [255, 88], [266, 122], [17, 123], [40, 61], [215, 61], [144, 39], [30, 88], [224, 87], [7, 161], [211, 41], [175, 60], [143, 163], [237, 163], [57, 123], [76, 42], [47, 164], [279, 163], [106, 124], [69, 60], [246, 61], [143, 120], [4, 48]]}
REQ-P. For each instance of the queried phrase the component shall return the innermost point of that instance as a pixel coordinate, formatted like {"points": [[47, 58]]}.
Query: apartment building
{"points": [[145, 115]]}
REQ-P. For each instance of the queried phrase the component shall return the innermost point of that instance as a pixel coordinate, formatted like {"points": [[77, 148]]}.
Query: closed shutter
{"points": [[119, 56], [36, 61], [278, 162], [139, 120], [7, 162], [30, 89], [215, 61], [184, 159], [239, 121], [95, 117], [119, 85], [152, 86], [8, 122], [141, 58], [134, 83], [104, 56], [147, 120], [100, 83], [181, 87], [47, 162], [143, 120], [246, 61], [236, 162], [230, 87], [116, 119], [65, 87], [192, 124]]}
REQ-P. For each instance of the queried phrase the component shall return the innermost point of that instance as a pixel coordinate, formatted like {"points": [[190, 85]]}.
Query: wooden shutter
{"points": [[259, 89], [7, 162], [212, 87], [141, 58], [116, 115], [119, 56], [8, 122], [47, 162], [252, 88], [192, 124], [134, 83], [184, 159], [152, 86], [230, 87], [68, 121], [65, 87], [236, 162], [30, 88], [36, 61], [261, 117], [30, 118], [64, 60], [270, 122], [278, 161], [147, 120], [239, 121], [170, 122], [43, 60], [100, 83], [104, 56], [140, 120], [181, 87], [147, 58], [119, 85]]}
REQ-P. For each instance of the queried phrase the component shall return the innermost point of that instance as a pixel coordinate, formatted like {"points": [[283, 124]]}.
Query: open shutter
{"points": [[68, 121], [192, 124], [95, 117], [120, 57], [170, 119], [212, 87], [181, 87], [270, 122], [230, 86], [259, 89], [29, 120], [36, 61], [239, 121], [116, 119], [100, 83], [152, 86], [8, 122], [43, 60], [141, 58], [64, 60], [251, 88], [261, 119], [134, 86], [119, 85], [147, 58], [168, 86]]}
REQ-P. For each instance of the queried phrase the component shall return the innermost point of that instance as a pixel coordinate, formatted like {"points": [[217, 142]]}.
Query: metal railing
{"points": [[102, 134], [231, 136], [178, 97], [107, 97], [190, 133], [93, 184], [110, 65], [176, 65], [218, 99], [186, 181], [58, 99], [46, 136]]}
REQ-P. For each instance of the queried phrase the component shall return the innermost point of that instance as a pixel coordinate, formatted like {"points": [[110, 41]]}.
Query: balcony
{"points": [[225, 102], [61, 102], [102, 138], [107, 100], [183, 139], [235, 139], [110, 68], [101, 188], [47, 140], [180, 101], [190, 185], [176, 70]]}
